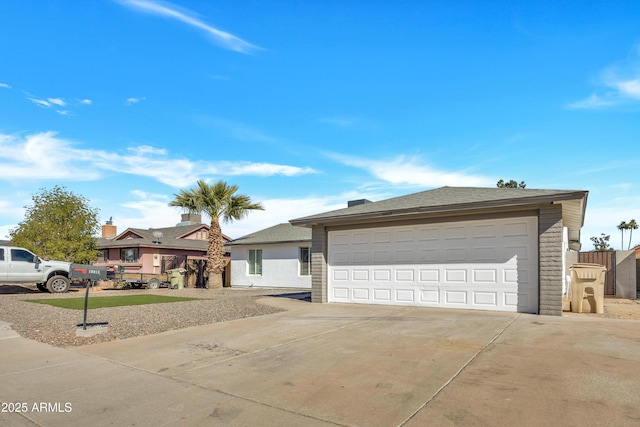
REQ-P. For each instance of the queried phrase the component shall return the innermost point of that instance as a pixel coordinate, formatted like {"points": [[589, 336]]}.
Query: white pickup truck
{"points": [[18, 265]]}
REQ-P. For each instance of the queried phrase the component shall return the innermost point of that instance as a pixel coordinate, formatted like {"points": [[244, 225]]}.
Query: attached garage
{"points": [[470, 248]]}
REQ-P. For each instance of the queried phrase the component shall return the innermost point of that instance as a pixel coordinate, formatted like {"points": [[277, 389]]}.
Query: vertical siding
{"points": [[318, 264], [550, 265], [608, 259]]}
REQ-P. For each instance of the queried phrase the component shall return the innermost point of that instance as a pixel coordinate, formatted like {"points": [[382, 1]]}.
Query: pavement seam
{"points": [[462, 368]]}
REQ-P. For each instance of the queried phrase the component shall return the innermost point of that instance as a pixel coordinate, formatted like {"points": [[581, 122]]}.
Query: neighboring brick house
{"points": [[155, 250]]}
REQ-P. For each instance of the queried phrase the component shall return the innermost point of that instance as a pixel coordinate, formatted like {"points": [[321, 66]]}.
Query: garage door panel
{"points": [[428, 256], [381, 257], [361, 294], [456, 297], [488, 264], [458, 254], [381, 294], [485, 231], [516, 229], [361, 275], [405, 295], [360, 239], [430, 296], [455, 275], [382, 275], [405, 256], [360, 258], [485, 276], [429, 275], [488, 299], [340, 275], [404, 275], [340, 293], [484, 253]]}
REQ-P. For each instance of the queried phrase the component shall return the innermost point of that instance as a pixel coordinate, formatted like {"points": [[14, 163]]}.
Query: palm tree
{"points": [[218, 201], [622, 227], [631, 225]]}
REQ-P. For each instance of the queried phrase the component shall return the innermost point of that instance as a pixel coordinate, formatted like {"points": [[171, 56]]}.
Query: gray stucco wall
{"points": [[626, 274], [550, 266], [318, 264]]}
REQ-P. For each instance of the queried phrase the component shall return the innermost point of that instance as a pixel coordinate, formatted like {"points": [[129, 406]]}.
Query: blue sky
{"points": [[306, 105]]}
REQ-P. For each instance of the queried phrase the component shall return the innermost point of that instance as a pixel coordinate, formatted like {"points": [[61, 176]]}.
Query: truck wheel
{"points": [[153, 283], [58, 284], [41, 287]]}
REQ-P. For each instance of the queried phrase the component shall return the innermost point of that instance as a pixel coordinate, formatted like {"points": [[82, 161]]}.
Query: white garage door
{"points": [[485, 265]]}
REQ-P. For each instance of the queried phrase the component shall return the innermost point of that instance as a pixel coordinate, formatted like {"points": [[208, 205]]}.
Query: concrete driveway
{"points": [[334, 364]]}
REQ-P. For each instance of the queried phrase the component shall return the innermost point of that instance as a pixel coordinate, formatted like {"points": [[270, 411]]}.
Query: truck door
{"points": [[22, 267], [3, 265]]}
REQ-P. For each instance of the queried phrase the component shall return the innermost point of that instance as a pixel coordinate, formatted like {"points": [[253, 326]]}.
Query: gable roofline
{"points": [[280, 233], [173, 238], [445, 200]]}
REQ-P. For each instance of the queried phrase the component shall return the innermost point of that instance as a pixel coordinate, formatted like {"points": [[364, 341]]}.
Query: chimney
{"points": [[191, 219], [351, 203], [109, 230]]}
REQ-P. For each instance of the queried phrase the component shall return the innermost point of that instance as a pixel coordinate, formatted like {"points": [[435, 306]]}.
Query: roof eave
{"points": [[461, 207]]}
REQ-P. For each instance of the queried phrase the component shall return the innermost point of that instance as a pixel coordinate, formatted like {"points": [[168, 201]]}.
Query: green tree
{"points": [[511, 184], [59, 225], [623, 226], [631, 225], [218, 201], [601, 244]]}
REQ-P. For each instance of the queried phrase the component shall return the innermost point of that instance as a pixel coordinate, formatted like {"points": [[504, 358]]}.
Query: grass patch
{"points": [[114, 301]]}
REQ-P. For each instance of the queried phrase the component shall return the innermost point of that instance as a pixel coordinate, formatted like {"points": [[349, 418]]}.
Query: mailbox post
{"points": [[91, 274]]}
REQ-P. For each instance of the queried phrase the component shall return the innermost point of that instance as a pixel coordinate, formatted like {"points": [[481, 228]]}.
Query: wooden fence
{"points": [[607, 259]]}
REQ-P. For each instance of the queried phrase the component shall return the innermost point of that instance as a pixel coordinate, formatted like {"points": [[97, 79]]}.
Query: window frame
{"points": [[254, 262], [124, 259], [304, 267]]}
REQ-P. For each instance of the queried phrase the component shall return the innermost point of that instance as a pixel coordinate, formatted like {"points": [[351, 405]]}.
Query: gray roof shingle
{"points": [[171, 238], [281, 233], [444, 199]]}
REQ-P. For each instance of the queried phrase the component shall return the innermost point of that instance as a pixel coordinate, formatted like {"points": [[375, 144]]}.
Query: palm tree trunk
{"points": [[215, 254]]}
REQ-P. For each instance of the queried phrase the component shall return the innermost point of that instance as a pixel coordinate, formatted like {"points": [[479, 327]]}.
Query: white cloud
{"points": [[57, 101], [168, 10], [620, 84], [147, 149], [592, 102], [86, 102], [131, 101], [53, 103], [5, 86], [40, 102], [44, 155], [411, 171], [264, 169]]}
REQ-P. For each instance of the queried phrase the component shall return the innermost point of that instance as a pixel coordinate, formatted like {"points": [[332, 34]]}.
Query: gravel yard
{"points": [[58, 326]]}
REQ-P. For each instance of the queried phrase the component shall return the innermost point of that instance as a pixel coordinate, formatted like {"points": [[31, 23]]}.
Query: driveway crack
{"points": [[462, 368]]}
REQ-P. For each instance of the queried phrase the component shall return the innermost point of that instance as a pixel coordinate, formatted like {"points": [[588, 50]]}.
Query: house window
{"points": [[129, 255], [255, 261], [305, 261], [103, 256]]}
